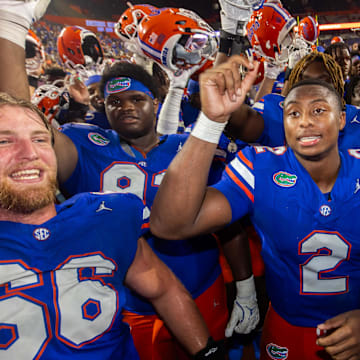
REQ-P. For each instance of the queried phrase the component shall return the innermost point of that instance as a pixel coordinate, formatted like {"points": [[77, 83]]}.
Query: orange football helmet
{"points": [[336, 39], [47, 98], [35, 55], [309, 29], [177, 39], [269, 31], [126, 26], [79, 46]]}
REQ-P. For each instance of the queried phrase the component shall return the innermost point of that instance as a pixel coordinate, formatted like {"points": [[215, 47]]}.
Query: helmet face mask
{"points": [[177, 39], [270, 32], [127, 25], [47, 98], [35, 55]]}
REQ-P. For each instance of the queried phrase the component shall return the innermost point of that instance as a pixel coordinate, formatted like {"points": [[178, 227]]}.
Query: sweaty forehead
{"points": [[310, 92], [10, 113], [127, 94]]}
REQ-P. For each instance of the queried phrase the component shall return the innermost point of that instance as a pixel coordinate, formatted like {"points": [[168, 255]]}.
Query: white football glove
{"points": [[272, 71], [168, 121], [16, 16], [299, 49], [234, 15], [245, 314]]}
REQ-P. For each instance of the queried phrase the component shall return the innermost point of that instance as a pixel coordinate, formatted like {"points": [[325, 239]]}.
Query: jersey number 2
{"points": [[328, 250]]}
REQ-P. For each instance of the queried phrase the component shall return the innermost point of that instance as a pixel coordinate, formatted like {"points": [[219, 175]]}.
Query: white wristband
{"points": [[168, 121], [246, 288], [208, 130], [12, 30]]}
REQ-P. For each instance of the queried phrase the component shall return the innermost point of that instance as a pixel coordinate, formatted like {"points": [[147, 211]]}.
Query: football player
{"points": [[263, 124], [62, 298], [132, 158], [300, 197]]}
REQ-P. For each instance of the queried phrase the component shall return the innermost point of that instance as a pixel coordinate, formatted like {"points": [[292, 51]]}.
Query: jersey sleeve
{"points": [[89, 141], [238, 183], [271, 109]]}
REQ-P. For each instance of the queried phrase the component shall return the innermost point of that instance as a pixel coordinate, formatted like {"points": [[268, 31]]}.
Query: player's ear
{"points": [[342, 120], [156, 105]]}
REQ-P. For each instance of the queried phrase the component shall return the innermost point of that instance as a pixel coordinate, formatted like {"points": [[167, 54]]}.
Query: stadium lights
{"points": [[339, 26]]}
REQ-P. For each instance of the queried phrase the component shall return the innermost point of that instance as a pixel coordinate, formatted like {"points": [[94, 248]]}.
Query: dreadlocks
{"points": [[330, 64]]}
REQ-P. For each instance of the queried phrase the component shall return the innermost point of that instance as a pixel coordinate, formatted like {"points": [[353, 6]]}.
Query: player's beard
{"points": [[26, 201]]}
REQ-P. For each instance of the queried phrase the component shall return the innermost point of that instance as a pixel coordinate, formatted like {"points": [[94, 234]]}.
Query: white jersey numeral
{"points": [[85, 306], [128, 178], [328, 251]]}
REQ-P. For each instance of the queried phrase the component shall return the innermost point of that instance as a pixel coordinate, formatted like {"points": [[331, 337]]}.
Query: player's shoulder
{"points": [[274, 101], [173, 141], [258, 158], [352, 156], [91, 133], [352, 114], [273, 98], [263, 152], [105, 201], [79, 126]]}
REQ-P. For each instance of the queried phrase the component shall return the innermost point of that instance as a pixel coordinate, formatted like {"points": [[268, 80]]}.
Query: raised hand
{"points": [[222, 89]]}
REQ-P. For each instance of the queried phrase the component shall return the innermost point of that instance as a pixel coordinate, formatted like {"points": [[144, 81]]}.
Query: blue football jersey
{"points": [[62, 286], [310, 244], [107, 164], [97, 118], [271, 109]]}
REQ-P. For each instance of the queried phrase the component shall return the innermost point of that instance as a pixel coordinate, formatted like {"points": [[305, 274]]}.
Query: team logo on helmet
{"points": [[284, 179], [276, 351], [98, 139], [41, 234], [269, 30]]}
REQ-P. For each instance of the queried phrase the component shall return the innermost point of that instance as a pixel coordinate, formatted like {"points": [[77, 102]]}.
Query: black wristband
{"points": [[33, 81], [214, 350], [226, 42], [232, 44], [76, 106]]}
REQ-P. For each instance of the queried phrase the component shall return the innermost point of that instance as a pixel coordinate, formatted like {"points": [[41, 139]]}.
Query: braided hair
{"points": [[332, 67]]}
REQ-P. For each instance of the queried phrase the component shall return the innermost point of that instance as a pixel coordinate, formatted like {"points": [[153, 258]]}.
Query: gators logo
{"points": [[276, 351], [118, 84], [98, 139], [284, 179]]}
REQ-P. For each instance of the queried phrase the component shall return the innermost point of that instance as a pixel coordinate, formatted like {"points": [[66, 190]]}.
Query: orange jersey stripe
{"points": [[240, 184], [245, 160]]}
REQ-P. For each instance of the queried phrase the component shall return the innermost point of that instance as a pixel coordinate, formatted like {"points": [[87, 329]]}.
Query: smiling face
{"points": [[27, 161], [312, 120], [131, 114]]}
